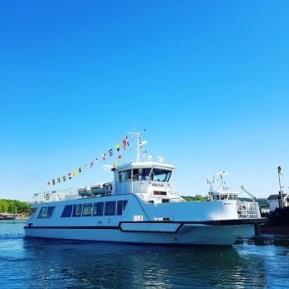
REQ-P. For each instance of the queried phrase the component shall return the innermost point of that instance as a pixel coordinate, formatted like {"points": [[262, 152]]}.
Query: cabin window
{"points": [[32, 212], [98, 209], [50, 212], [124, 176], [120, 177], [42, 213], [67, 211], [110, 208], [141, 174], [77, 210], [46, 212], [160, 193], [120, 207], [160, 175], [87, 210]]}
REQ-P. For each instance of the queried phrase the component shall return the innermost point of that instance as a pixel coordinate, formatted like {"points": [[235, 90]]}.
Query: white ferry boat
{"points": [[142, 206]]}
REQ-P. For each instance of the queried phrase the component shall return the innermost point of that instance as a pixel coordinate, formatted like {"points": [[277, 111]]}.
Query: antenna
{"points": [[139, 143], [280, 198]]}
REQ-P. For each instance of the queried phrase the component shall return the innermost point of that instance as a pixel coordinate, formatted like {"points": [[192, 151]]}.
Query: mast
{"points": [[280, 197], [137, 136]]}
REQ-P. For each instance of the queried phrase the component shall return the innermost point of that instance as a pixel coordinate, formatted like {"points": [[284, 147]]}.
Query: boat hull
{"points": [[175, 234]]}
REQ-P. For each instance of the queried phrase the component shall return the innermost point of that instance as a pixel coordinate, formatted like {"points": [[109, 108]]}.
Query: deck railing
{"points": [[54, 196], [248, 210]]}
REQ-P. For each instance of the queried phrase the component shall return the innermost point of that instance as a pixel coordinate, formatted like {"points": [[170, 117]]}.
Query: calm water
{"points": [[61, 264]]}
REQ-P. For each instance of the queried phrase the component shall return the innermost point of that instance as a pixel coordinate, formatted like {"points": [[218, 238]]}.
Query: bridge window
{"points": [[124, 176], [141, 174], [46, 212], [98, 209], [77, 210], [110, 208], [67, 211], [87, 210], [160, 175], [120, 207]]}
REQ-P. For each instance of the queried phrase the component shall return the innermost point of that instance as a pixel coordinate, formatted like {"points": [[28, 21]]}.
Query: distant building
{"points": [[7, 216], [274, 202]]}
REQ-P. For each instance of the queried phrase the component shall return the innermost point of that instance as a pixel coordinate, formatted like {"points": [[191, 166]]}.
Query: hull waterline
{"points": [[187, 235]]}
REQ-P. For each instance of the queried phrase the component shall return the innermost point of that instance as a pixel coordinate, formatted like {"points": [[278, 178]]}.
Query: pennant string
{"points": [[116, 150]]}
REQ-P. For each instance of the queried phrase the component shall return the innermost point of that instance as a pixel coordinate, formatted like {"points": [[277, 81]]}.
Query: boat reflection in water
{"points": [[102, 265]]}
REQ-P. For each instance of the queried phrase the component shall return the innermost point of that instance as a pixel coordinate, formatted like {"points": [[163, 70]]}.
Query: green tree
{"points": [[196, 198], [14, 206]]}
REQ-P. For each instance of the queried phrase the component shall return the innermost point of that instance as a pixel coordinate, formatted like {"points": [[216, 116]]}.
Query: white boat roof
{"points": [[146, 164]]}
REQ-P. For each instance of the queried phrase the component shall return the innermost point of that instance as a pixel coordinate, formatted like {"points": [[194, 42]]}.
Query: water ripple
{"points": [[52, 264]]}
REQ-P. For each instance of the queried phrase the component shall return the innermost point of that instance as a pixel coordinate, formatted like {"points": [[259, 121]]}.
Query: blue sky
{"points": [[207, 79]]}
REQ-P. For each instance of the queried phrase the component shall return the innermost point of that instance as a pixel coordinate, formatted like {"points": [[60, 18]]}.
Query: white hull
{"points": [[188, 235]]}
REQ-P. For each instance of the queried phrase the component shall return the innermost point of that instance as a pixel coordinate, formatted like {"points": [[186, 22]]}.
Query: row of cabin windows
{"points": [[225, 197], [145, 174], [46, 212], [110, 208]]}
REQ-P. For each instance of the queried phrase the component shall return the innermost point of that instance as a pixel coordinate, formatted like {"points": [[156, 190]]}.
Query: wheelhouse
{"points": [[217, 196], [149, 180]]}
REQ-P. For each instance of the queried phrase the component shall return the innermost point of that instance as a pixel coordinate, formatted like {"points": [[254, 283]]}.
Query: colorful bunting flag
{"points": [[117, 147], [124, 143]]}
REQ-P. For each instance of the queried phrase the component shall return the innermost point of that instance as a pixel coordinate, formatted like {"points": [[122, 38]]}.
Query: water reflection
{"points": [[54, 264], [65, 264]]}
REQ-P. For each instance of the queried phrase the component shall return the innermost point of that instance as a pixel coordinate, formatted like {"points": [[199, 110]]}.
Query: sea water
{"points": [[31, 263]]}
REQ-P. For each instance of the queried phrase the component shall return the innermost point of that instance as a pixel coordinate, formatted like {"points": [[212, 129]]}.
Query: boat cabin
{"points": [[273, 201], [223, 195], [149, 180]]}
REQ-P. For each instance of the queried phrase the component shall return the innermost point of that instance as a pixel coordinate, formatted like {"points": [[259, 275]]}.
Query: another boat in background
{"points": [[278, 218], [7, 216]]}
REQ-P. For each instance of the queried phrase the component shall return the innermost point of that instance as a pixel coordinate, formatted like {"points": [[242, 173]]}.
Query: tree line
{"points": [[14, 207], [194, 198]]}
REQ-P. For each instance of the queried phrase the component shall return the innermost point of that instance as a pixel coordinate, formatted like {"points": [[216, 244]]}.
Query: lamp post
{"points": [[280, 197]]}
